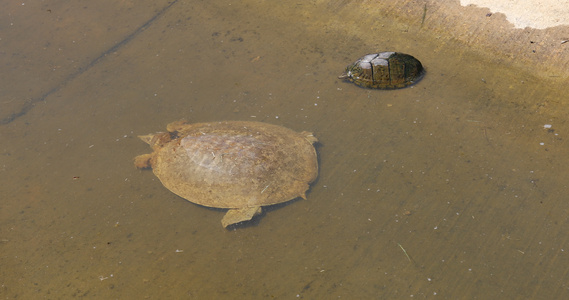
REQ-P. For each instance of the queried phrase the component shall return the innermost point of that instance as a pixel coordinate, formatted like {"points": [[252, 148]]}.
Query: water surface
{"points": [[453, 188]]}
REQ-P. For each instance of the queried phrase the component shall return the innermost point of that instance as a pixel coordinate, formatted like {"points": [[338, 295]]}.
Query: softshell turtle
{"points": [[384, 70], [237, 165]]}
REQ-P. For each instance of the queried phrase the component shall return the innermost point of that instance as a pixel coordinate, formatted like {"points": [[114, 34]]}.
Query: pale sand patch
{"points": [[528, 13]]}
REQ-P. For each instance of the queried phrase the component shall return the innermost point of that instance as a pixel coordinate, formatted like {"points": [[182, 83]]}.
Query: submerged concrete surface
{"points": [[455, 187], [540, 47]]}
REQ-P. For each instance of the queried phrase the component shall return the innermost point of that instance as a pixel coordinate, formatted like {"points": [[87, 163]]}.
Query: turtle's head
{"points": [[346, 75], [156, 140]]}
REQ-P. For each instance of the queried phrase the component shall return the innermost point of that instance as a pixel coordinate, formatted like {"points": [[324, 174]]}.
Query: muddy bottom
{"points": [[454, 187]]}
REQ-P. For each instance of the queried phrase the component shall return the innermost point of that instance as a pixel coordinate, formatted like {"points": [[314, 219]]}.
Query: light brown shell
{"points": [[233, 164]]}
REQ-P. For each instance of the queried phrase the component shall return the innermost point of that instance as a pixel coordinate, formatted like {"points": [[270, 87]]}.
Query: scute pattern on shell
{"points": [[384, 70]]}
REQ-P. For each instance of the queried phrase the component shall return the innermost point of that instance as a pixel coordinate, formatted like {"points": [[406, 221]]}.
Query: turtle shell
{"points": [[234, 164], [385, 70]]}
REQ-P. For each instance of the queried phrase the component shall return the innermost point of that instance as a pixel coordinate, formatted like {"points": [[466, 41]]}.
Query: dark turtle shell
{"points": [[385, 70]]}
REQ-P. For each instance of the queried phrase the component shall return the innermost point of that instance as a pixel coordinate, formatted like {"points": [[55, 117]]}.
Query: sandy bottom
{"points": [[455, 187]]}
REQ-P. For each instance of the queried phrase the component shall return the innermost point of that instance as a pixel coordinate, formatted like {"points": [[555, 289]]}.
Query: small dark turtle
{"points": [[237, 165], [385, 70]]}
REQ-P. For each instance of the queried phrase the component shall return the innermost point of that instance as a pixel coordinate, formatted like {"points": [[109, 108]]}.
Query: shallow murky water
{"points": [[454, 188]]}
